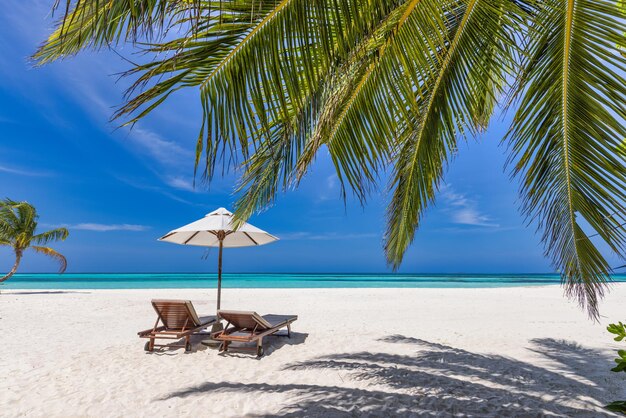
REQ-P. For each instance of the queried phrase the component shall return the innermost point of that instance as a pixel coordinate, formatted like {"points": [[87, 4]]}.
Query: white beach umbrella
{"points": [[216, 230]]}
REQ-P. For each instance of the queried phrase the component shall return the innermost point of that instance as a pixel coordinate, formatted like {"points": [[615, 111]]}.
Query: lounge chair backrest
{"points": [[176, 314], [244, 319]]}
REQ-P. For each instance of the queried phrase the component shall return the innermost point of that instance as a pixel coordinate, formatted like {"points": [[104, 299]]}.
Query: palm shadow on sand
{"points": [[445, 381]]}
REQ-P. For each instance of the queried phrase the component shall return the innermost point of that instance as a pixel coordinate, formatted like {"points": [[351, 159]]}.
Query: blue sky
{"points": [[118, 189]]}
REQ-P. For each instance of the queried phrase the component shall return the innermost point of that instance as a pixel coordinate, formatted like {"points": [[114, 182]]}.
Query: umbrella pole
{"points": [[217, 326], [219, 275]]}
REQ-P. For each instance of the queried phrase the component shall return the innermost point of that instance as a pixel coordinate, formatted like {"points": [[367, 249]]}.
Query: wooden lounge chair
{"points": [[250, 327], [179, 319]]}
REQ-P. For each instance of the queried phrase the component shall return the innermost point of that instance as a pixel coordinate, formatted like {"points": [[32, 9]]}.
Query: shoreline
{"points": [[179, 289]]}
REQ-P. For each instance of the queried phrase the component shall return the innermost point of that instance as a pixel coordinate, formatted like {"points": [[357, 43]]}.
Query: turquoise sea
{"points": [[251, 281]]}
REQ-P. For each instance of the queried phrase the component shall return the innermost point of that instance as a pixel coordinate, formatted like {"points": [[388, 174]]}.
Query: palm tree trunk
{"points": [[18, 258]]}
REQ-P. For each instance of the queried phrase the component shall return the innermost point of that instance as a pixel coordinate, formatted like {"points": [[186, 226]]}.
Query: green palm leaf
{"points": [[53, 254], [282, 161], [566, 136], [101, 23], [306, 43], [58, 234], [456, 98]]}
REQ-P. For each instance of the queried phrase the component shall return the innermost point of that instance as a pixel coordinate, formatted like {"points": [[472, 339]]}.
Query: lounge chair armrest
{"points": [[150, 331]]}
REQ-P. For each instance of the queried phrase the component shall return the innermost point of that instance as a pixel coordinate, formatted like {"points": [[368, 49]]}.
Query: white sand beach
{"points": [[353, 352]]}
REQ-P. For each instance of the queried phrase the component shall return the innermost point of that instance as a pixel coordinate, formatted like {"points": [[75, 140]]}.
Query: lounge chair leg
{"points": [[259, 348], [187, 344], [288, 330], [151, 345]]}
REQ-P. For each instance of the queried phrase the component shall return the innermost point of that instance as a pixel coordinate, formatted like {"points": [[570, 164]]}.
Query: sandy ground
{"points": [[354, 352]]}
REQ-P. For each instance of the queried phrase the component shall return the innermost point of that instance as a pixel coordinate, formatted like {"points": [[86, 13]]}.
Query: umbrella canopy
{"points": [[216, 230]]}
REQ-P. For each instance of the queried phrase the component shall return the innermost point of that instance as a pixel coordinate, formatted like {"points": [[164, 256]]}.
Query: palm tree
{"points": [[391, 86], [18, 222]]}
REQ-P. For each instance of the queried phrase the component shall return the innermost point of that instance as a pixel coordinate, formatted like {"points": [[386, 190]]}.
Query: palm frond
{"points": [[58, 234], [247, 94], [358, 136], [455, 97], [9, 219], [206, 44], [6, 202], [101, 23], [566, 136], [27, 215], [282, 160], [18, 221], [6, 231], [621, 44], [273, 86], [53, 254]]}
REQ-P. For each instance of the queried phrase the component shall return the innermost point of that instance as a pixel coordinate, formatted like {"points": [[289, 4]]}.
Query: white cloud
{"points": [[98, 99], [331, 181], [181, 183], [470, 216], [23, 171], [330, 192], [463, 210], [108, 227], [453, 198], [156, 189], [326, 236], [164, 151]]}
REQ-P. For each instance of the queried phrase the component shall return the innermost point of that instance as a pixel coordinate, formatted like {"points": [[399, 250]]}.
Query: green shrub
{"points": [[619, 330]]}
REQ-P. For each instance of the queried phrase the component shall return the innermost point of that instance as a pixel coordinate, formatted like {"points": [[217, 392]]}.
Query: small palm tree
{"points": [[18, 222]]}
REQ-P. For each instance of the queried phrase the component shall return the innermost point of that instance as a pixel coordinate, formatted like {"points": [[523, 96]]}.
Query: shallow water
{"points": [[191, 280]]}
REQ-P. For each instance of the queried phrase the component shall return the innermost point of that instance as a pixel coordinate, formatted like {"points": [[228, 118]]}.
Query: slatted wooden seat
{"points": [[179, 320], [248, 326]]}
